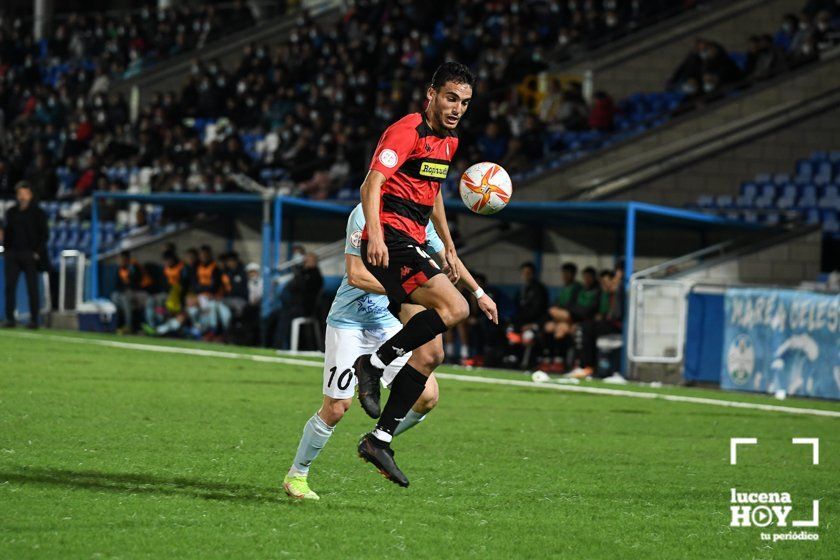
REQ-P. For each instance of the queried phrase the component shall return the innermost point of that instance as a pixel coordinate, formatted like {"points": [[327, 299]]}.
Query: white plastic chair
{"points": [[297, 324]]}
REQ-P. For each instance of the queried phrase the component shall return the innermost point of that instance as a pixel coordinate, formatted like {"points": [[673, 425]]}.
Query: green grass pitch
{"points": [[117, 453]]}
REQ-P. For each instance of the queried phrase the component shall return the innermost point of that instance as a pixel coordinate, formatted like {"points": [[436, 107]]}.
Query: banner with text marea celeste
{"points": [[781, 340]]}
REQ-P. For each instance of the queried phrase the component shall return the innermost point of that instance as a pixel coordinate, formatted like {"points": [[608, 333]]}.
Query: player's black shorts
{"points": [[409, 267]]}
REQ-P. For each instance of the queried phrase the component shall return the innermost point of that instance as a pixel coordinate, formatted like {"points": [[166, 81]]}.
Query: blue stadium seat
{"points": [[788, 196], [768, 191], [829, 221], [705, 201], [829, 198], [750, 217], [749, 192], [724, 201], [807, 196], [804, 169], [771, 219], [748, 189]]}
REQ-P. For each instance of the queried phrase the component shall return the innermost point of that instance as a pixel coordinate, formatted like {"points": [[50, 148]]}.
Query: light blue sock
{"points": [[411, 419], [316, 432]]}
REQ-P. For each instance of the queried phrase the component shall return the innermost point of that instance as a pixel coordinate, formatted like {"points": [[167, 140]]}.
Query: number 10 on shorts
{"points": [[343, 380]]}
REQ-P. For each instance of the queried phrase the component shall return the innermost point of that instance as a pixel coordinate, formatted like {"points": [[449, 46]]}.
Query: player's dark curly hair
{"points": [[452, 72]]}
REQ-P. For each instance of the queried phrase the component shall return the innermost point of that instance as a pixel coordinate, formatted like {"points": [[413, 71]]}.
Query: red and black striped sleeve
{"points": [[394, 147]]}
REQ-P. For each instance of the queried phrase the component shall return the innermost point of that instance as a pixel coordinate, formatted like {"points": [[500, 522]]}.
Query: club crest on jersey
{"points": [[405, 271], [388, 158]]}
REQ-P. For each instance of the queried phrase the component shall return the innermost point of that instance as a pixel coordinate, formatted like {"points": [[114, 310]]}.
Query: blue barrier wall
{"points": [[781, 340], [703, 338]]}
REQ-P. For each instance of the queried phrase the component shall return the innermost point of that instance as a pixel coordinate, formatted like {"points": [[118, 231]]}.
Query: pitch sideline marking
{"points": [[440, 375]]}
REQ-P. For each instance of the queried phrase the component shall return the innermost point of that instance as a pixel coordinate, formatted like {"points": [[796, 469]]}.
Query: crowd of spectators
{"points": [[121, 44], [199, 297], [308, 111], [310, 107], [215, 298], [591, 23], [708, 72], [555, 336], [59, 124]]}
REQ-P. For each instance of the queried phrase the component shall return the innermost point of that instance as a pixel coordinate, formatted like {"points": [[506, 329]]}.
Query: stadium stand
{"points": [[122, 44], [70, 117], [811, 194], [259, 129]]}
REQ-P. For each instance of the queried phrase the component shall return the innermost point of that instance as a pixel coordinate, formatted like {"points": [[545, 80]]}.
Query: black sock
{"points": [[406, 388], [419, 330], [555, 346]]}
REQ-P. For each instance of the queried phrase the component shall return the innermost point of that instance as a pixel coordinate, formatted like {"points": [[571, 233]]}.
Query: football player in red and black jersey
{"points": [[399, 195]]}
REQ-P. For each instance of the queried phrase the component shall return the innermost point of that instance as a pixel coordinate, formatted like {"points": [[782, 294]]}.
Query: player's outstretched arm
{"points": [[466, 280], [485, 302], [377, 252], [358, 276], [450, 256]]}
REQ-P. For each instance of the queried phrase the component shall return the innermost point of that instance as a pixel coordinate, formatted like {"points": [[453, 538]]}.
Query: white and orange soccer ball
{"points": [[485, 188]]}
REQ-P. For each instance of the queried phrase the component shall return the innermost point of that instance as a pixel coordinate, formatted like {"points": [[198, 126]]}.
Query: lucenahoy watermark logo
{"points": [[774, 509]]}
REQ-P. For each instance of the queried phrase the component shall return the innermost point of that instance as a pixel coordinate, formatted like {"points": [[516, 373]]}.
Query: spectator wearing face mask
{"points": [[716, 61], [802, 46], [764, 59], [825, 36], [698, 94], [255, 284], [692, 94], [234, 282], [691, 66], [784, 36], [713, 89]]}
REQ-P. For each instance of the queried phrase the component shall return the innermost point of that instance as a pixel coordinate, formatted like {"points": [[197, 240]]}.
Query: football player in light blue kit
{"points": [[358, 322]]}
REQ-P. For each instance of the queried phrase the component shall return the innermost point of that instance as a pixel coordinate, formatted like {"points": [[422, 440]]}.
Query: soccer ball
{"points": [[485, 188]]}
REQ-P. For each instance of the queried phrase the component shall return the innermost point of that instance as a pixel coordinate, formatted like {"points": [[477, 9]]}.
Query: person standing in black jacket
{"points": [[532, 299], [532, 303], [25, 235], [299, 298]]}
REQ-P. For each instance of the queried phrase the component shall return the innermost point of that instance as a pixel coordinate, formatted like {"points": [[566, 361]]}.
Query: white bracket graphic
{"points": [[733, 447], [815, 517], [815, 443]]}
